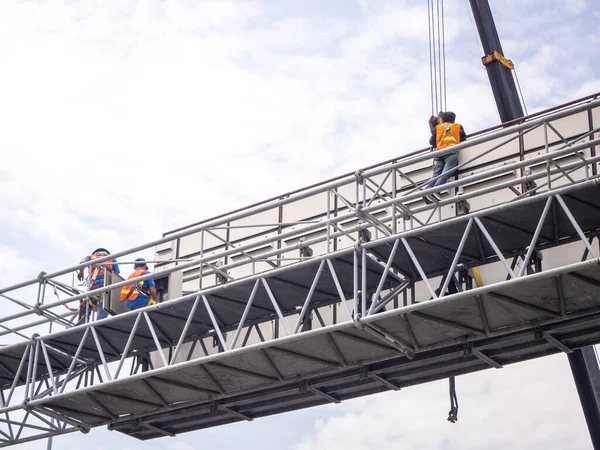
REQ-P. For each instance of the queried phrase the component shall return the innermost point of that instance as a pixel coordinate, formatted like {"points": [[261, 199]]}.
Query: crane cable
{"points": [[437, 55], [442, 54], [520, 92], [437, 82]]}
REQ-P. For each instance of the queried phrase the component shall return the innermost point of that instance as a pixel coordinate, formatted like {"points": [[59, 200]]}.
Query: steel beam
{"points": [[501, 79], [586, 373]]}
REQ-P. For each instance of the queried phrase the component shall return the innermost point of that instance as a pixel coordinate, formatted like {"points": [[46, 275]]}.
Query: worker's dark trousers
{"points": [[85, 310], [443, 166]]}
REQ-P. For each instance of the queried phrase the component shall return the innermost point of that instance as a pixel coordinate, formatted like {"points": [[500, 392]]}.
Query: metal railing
{"points": [[392, 213], [360, 209]]}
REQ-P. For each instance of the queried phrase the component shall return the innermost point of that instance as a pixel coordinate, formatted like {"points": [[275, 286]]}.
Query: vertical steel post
{"points": [[200, 270], [41, 300], [328, 223], [355, 287], [363, 287], [394, 195]]}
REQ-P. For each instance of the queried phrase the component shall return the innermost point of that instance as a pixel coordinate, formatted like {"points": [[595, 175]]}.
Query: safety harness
{"points": [[448, 130], [136, 288], [92, 300], [443, 159]]}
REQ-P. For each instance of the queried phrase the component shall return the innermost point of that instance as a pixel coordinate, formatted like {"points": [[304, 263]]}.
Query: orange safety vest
{"points": [[132, 291], [98, 271], [447, 135], [95, 272]]}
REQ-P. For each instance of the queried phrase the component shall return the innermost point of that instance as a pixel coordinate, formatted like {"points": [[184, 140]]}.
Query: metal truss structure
{"points": [[377, 292]]}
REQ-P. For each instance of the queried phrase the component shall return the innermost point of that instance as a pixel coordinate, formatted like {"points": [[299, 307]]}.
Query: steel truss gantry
{"points": [[396, 306]]}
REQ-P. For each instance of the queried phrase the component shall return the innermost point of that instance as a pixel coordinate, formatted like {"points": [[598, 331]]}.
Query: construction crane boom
{"points": [[583, 362], [499, 69]]}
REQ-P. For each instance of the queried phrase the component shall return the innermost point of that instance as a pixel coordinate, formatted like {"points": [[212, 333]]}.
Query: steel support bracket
{"points": [[538, 333], [364, 235], [468, 349], [463, 207], [364, 373], [306, 252], [220, 278], [303, 387], [497, 56], [534, 265], [529, 186]]}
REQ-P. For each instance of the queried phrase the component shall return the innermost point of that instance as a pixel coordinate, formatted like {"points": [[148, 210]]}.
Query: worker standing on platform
{"points": [[445, 134], [96, 281], [141, 293]]}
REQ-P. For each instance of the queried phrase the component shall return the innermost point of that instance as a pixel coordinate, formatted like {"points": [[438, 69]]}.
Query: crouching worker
{"points": [[140, 293], [445, 134]]}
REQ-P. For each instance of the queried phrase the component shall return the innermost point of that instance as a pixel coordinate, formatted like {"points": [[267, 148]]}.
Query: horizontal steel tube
{"points": [[495, 135], [291, 385], [331, 328], [508, 184], [336, 234], [483, 290], [23, 440], [490, 173], [540, 114], [35, 324], [215, 289], [492, 210], [452, 200], [392, 202], [319, 189]]}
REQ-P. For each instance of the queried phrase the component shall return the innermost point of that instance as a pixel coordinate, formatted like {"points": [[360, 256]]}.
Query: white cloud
{"points": [[13, 265], [498, 409], [121, 120]]}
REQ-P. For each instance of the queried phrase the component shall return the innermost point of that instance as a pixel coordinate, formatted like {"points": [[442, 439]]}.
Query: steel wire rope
{"points": [[479, 45], [520, 92], [432, 63], [435, 54], [435, 57], [439, 53], [429, 40], [444, 56]]}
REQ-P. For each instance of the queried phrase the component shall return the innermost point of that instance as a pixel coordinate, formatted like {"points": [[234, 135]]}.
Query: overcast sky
{"points": [[123, 119]]}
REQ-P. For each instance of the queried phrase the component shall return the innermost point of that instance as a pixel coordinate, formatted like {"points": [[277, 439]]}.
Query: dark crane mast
{"points": [[584, 364]]}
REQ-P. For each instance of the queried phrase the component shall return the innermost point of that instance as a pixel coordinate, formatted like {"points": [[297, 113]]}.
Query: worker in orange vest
{"points": [[96, 281], [140, 293], [445, 134]]}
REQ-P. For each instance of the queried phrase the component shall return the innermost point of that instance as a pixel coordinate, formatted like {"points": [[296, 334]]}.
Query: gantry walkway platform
{"points": [[357, 287]]}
